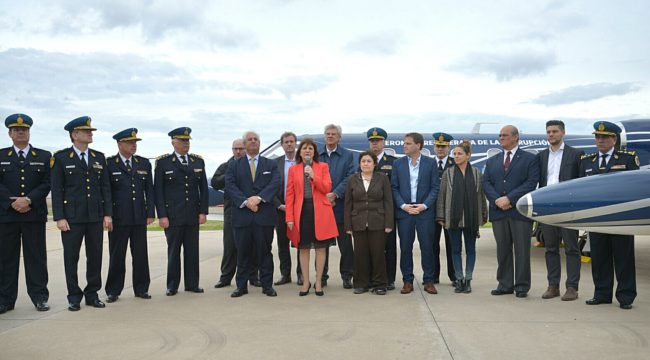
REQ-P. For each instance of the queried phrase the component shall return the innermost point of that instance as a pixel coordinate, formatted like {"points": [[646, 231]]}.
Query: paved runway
{"points": [[339, 325]]}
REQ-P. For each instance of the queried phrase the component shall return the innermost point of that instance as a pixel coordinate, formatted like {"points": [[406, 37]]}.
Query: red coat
{"points": [[321, 184]]}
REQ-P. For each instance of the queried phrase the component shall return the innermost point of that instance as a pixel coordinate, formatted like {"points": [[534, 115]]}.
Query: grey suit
{"points": [[281, 229], [569, 169]]}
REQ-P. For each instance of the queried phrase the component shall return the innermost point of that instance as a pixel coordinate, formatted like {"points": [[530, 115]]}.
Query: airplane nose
{"points": [[525, 205]]}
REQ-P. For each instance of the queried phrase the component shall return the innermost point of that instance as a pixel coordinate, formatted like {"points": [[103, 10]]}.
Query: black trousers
{"points": [[92, 235], [390, 253], [369, 253], [32, 237], [262, 238], [229, 258], [436, 254], [284, 251], [118, 240], [613, 254], [186, 236]]}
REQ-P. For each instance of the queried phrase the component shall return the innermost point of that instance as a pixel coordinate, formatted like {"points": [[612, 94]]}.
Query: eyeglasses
{"points": [[238, 148]]}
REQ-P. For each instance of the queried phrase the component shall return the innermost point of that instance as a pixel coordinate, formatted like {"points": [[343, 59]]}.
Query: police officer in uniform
{"points": [[133, 209], [81, 203], [377, 140], [610, 254], [443, 161], [181, 193], [24, 185]]}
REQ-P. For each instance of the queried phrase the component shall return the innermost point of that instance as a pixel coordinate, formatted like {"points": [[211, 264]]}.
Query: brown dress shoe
{"points": [[570, 294], [551, 292], [407, 289], [430, 288]]}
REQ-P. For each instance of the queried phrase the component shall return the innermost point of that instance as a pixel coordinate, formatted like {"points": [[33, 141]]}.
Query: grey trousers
{"points": [[553, 235], [513, 273]]}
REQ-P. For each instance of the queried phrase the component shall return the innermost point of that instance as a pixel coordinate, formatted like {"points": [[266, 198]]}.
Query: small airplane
{"points": [[634, 137], [612, 203]]}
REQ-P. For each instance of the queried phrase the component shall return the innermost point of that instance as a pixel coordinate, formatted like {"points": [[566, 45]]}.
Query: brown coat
{"points": [[374, 207]]}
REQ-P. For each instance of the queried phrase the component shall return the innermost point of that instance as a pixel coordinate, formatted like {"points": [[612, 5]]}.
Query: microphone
{"points": [[307, 160]]}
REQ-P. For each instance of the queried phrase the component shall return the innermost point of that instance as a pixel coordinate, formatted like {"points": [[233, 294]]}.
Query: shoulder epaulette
{"points": [[163, 156], [196, 156], [60, 151], [633, 153], [585, 156]]}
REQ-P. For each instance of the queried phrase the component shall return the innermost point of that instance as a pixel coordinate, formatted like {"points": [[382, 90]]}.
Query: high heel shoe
{"points": [[319, 293], [304, 293]]}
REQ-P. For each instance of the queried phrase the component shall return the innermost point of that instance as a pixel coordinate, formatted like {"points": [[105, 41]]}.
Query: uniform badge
{"points": [[636, 160], [20, 120], [601, 127], [52, 162]]}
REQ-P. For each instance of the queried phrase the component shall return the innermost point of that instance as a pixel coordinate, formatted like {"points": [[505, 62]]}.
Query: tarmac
{"points": [[339, 325]]}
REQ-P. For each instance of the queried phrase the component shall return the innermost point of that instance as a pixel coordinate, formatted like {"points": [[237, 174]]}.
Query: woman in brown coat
{"points": [[368, 217]]}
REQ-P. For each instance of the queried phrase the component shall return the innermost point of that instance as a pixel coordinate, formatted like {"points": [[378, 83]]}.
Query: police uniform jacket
{"points": [[181, 191], [620, 161], [30, 179], [385, 164], [132, 191], [80, 193]]}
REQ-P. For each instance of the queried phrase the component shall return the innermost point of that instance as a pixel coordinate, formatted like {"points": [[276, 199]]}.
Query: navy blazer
{"points": [[240, 186], [569, 166], [428, 186], [341, 165], [522, 177], [131, 191]]}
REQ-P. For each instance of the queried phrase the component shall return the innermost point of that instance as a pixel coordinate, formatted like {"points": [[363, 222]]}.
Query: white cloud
{"points": [[583, 93], [506, 66]]}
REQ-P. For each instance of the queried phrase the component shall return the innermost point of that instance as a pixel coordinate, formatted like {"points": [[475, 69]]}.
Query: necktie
{"points": [[183, 160], [506, 164], [603, 163], [440, 166], [21, 156], [253, 168], [128, 165], [83, 159]]}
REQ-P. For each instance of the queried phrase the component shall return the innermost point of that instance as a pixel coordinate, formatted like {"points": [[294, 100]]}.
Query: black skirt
{"points": [[308, 229]]}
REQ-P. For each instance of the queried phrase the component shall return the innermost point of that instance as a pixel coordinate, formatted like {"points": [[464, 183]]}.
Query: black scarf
{"points": [[464, 199]]}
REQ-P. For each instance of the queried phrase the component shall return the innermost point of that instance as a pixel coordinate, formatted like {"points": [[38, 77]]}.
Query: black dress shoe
{"points": [[256, 283], [269, 292], [5, 308], [42, 306], [239, 292], [379, 291], [521, 294], [196, 290], [391, 286], [221, 284], [300, 281], [171, 292], [285, 279], [143, 295], [112, 298], [595, 301], [74, 307], [319, 293], [497, 292], [323, 282], [625, 306], [96, 303], [347, 283], [304, 293], [360, 290]]}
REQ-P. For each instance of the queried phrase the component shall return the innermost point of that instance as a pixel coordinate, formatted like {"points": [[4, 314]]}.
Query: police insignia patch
{"points": [[52, 162]]}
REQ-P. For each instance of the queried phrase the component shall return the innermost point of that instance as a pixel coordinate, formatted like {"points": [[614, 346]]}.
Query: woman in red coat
{"points": [[309, 215]]}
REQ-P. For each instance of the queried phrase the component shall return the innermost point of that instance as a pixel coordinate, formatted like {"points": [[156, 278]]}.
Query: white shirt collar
{"points": [[444, 160], [25, 150], [79, 152], [560, 149], [125, 159], [380, 156], [256, 157], [512, 151], [609, 153]]}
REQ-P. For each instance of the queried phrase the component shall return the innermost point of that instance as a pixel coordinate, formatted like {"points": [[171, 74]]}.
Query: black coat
{"points": [[132, 191], [181, 190], [30, 179], [620, 161], [569, 168], [80, 193]]}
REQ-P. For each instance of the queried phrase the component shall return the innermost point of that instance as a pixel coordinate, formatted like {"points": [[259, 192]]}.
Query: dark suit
{"points": [[385, 165], [31, 178], [439, 230], [511, 228], [181, 194], [341, 165], [367, 214], [424, 223], [612, 254], [253, 227], [229, 258], [81, 194], [133, 202], [281, 230], [553, 235]]}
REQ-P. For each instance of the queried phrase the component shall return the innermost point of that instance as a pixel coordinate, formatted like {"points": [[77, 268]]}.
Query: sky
{"points": [[225, 67]]}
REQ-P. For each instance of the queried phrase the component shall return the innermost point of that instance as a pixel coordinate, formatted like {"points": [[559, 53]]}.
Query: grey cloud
{"points": [[588, 92], [384, 43], [299, 85], [506, 67]]}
